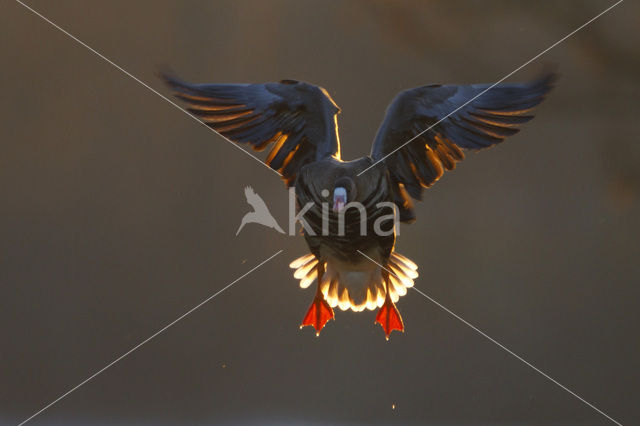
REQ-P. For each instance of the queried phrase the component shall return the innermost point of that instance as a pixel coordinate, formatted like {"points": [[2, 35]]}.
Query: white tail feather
{"points": [[357, 286]]}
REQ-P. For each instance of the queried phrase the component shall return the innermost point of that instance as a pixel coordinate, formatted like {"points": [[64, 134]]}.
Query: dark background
{"points": [[119, 213]]}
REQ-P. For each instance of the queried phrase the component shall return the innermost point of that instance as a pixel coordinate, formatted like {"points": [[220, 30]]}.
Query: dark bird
{"points": [[352, 260], [260, 213]]}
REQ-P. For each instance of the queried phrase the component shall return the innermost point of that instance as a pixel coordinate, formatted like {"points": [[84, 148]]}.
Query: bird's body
{"points": [[350, 208], [372, 189], [351, 281]]}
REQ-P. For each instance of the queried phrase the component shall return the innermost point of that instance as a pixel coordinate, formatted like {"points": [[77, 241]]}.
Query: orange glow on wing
{"points": [[276, 147]]}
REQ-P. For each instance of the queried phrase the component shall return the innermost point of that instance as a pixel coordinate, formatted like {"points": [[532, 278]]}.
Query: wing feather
{"points": [[476, 124], [298, 120]]}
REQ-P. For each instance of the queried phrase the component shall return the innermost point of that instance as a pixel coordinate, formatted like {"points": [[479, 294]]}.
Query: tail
{"points": [[360, 286]]}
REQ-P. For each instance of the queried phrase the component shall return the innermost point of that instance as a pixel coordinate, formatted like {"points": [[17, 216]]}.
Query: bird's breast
{"points": [[365, 222]]}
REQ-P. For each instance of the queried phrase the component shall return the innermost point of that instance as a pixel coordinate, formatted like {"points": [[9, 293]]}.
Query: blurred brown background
{"points": [[119, 214]]}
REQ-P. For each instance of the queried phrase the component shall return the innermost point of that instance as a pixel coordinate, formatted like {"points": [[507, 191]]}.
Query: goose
{"points": [[349, 209]]}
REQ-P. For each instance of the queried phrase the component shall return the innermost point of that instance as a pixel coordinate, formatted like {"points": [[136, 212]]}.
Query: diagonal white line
{"points": [[495, 84], [509, 351], [145, 85], [501, 346], [148, 339]]}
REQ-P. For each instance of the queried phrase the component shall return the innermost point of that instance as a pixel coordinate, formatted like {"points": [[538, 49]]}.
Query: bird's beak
{"points": [[339, 199]]}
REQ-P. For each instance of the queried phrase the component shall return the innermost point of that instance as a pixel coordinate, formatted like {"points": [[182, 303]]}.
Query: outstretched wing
{"points": [[254, 200], [475, 124], [248, 192], [296, 119]]}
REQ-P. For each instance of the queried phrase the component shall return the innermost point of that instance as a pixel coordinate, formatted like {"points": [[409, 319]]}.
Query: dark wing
{"points": [[297, 120], [481, 123]]}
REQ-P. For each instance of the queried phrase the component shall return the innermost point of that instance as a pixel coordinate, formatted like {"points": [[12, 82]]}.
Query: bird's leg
{"points": [[388, 316], [319, 312]]}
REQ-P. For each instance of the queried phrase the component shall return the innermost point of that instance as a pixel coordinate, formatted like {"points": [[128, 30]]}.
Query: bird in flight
{"points": [[260, 213], [352, 261]]}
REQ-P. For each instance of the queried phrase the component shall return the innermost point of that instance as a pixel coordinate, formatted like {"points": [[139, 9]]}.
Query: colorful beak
{"points": [[339, 199]]}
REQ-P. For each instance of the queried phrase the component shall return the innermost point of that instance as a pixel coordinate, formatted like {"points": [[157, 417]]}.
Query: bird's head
{"points": [[344, 191]]}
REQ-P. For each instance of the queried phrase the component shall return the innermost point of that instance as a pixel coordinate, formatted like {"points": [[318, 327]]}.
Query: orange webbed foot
{"points": [[389, 318], [318, 314]]}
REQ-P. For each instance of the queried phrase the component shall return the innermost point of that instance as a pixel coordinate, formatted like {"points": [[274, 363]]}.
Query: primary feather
{"points": [[296, 120]]}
